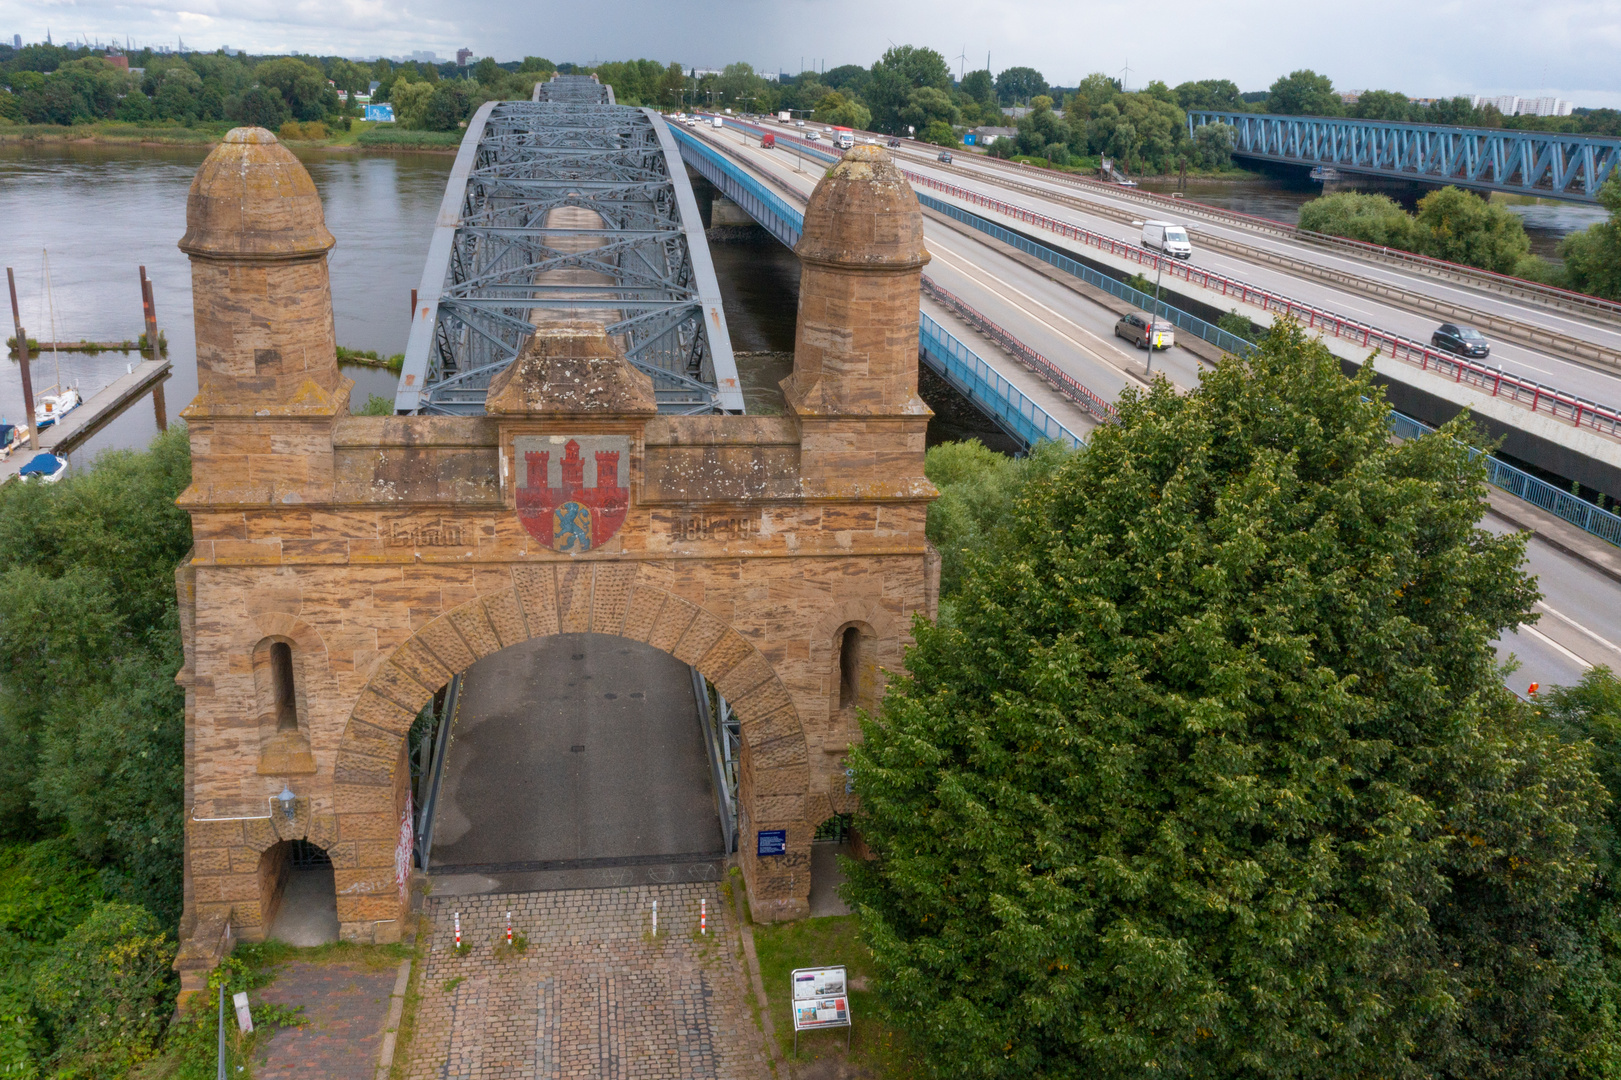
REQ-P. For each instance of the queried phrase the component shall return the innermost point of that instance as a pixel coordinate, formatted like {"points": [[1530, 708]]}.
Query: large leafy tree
{"points": [[900, 71], [1593, 257], [91, 724], [1304, 93], [1212, 772], [1019, 84]]}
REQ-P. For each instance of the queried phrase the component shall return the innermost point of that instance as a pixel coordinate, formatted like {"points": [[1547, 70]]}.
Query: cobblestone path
{"points": [[595, 995]]}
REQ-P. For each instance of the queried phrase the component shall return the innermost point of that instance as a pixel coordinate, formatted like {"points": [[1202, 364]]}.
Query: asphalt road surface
{"points": [[575, 761]]}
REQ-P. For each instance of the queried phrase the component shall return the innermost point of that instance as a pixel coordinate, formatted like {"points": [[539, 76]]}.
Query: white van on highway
{"points": [[1169, 237]]}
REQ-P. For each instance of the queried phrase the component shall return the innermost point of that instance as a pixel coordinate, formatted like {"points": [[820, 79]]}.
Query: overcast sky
{"points": [[1424, 48]]}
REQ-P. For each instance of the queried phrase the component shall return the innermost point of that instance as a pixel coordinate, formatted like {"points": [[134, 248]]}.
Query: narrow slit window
{"points": [[849, 666], [281, 680]]}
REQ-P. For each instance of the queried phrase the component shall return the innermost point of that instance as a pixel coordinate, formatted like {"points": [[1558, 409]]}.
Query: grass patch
{"points": [[384, 136], [875, 1047]]}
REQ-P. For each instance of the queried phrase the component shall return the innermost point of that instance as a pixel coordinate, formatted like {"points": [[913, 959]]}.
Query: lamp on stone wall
{"points": [[289, 803]]}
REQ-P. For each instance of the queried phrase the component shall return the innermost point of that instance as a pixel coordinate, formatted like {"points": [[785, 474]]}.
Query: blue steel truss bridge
{"points": [[568, 207], [1546, 164]]}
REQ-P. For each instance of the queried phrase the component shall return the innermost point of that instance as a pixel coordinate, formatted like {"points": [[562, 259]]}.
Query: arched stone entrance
{"points": [[624, 601], [345, 567]]}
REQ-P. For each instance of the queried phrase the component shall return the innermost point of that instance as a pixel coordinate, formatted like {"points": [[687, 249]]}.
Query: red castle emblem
{"points": [[573, 503]]}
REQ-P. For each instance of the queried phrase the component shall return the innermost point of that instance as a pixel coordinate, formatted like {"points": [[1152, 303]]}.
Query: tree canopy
{"points": [[1304, 93], [1211, 771]]}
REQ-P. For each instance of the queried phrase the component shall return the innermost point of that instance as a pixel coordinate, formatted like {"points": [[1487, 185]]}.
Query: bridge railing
{"points": [[979, 382], [1496, 382], [1522, 485], [1055, 376]]}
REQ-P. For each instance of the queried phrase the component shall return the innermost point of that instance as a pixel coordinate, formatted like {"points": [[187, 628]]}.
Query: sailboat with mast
{"points": [[57, 401]]}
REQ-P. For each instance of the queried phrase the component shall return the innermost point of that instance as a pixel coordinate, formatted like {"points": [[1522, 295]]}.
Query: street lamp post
{"points": [[1153, 318]]}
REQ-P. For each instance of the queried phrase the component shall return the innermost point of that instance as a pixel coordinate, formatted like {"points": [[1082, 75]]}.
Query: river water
{"points": [[101, 212]]}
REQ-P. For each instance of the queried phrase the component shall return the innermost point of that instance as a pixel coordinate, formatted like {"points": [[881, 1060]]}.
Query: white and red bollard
{"points": [[509, 929], [703, 915], [458, 929]]}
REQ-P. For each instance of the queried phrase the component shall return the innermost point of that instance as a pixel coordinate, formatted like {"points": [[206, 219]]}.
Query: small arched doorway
{"points": [[298, 897]]}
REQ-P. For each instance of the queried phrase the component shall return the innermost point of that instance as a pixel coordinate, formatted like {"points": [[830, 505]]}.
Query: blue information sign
{"points": [[380, 114], [772, 842]]}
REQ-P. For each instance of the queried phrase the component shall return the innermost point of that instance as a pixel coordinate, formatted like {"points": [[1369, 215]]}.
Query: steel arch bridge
{"points": [[1546, 164], [567, 207]]}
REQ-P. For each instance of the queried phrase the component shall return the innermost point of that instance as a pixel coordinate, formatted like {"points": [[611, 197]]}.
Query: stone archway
{"points": [[388, 553], [542, 600]]}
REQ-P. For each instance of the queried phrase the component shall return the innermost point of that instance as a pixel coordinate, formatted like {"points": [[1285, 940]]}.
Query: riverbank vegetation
{"points": [[92, 726], [1211, 765], [1462, 227]]}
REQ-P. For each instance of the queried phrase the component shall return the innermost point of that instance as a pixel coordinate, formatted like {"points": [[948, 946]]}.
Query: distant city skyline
{"points": [[1560, 49]]}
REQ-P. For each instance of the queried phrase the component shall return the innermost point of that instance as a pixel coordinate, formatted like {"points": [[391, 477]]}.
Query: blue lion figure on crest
{"points": [[571, 528]]}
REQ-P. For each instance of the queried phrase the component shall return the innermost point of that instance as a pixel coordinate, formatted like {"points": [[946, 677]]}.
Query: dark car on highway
{"points": [[1461, 340]]}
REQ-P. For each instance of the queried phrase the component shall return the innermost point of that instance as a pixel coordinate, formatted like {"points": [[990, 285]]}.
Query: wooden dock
{"points": [[111, 401]]}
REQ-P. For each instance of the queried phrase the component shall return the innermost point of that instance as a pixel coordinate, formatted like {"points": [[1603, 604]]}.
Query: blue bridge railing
{"points": [[1522, 485], [978, 382], [1545, 163]]}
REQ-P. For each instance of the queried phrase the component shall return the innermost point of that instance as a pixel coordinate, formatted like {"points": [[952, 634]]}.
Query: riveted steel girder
{"points": [[494, 263], [1549, 164]]}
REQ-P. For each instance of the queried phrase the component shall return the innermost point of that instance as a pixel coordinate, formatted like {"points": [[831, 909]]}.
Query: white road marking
{"points": [[967, 267], [1550, 642], [1562, 617]]}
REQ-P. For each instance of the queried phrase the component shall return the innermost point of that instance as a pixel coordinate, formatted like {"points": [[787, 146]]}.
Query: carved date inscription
{"points": [[721, 527], [430, 534]]}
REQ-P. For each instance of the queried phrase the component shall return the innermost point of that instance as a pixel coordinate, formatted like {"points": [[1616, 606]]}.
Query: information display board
{"points": [[771, 842], [380, 114], [821, 1000]]}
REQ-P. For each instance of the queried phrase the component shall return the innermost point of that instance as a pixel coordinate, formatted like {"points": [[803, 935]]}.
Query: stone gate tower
{"points": [[346, 568]]}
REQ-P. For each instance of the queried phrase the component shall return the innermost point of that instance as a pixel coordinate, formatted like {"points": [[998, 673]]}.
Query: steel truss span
{"points": [[1548, 164], [559, 210]]}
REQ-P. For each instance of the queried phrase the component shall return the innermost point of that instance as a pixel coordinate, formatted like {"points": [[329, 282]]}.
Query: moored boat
{"points": [[50, 408], [46, 467]]}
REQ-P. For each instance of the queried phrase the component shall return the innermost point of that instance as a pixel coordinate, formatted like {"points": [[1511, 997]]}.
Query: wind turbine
{"points": [[962, 62]]}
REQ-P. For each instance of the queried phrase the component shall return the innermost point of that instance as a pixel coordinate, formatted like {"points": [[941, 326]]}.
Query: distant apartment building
{"points": [[1509, 105], [462, 56], [16, 41]]}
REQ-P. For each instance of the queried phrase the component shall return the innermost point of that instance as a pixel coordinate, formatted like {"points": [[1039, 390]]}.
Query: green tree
{"points": [[900, 71], [87, 608], [929, 105], [1212, 772], [447, 106], [1460, 226], [979, 489], [1373, 219], [301, 85], [487, 72], [261, 106], [1213, 145], [1593, 257], [835, 108], [1218, 94], [410, 101], [1384, 105], [1303, 93], [979, 87], [103, 990], [1019, 84]]}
